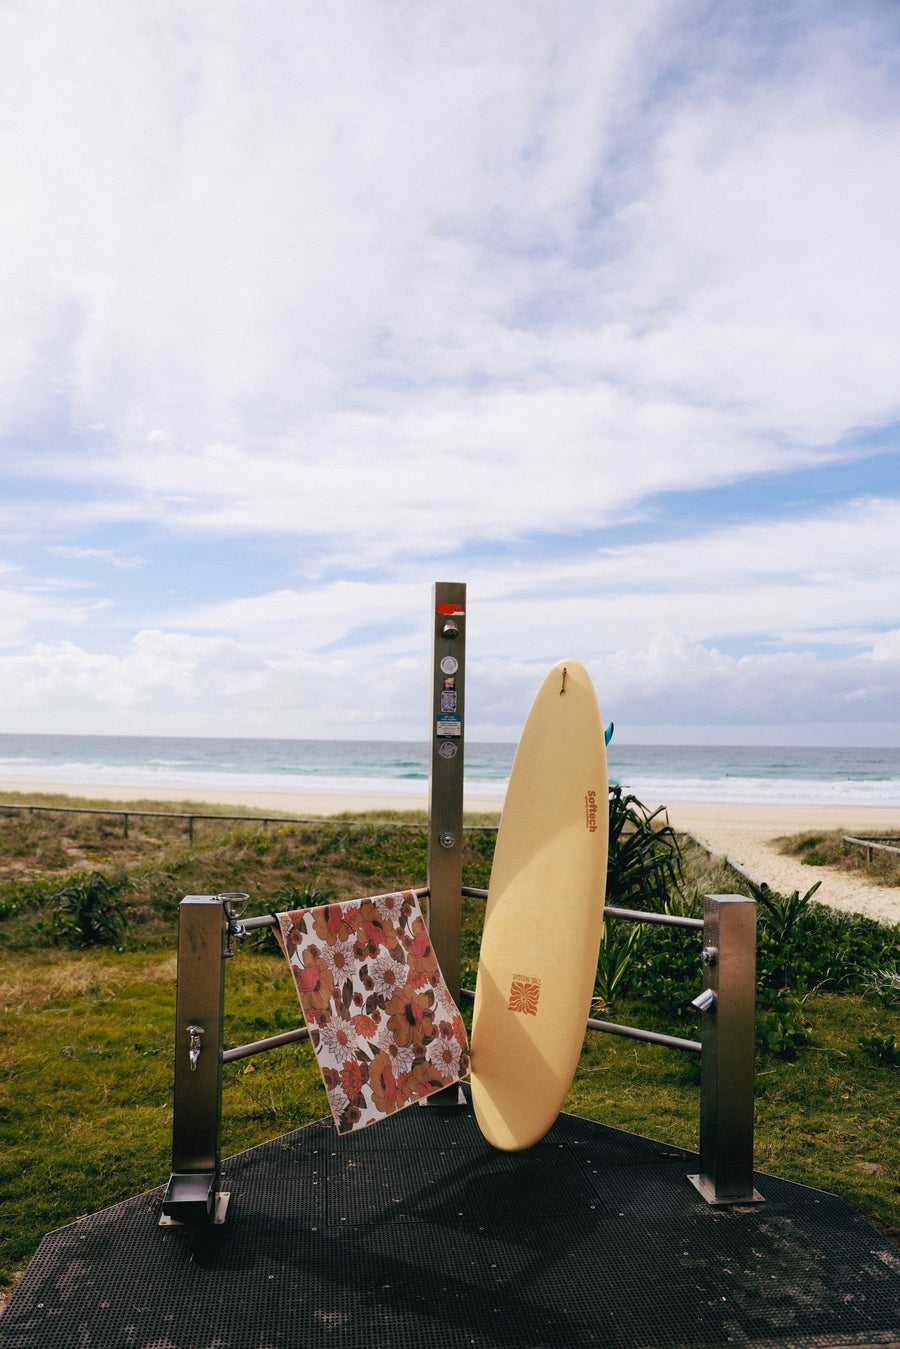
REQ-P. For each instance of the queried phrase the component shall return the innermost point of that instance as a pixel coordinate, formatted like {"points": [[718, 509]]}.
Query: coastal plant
{"points": [[780, 916], [644, 866], [89, 910], [667, 973], [884, 1049], [286, 900], [880, 865], [883, 985], [617, 948], [801, 945], [781, 1028]]}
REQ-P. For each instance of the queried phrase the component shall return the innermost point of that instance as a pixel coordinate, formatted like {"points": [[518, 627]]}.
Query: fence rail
{"points": [[873, 843], [264, 820]]}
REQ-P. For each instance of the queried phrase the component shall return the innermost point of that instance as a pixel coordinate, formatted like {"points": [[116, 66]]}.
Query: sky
{"points": [[591, 306]]}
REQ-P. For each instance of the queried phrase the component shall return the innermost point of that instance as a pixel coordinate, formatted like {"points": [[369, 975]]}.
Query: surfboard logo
{"points": [[590, 811], [524, 994]]}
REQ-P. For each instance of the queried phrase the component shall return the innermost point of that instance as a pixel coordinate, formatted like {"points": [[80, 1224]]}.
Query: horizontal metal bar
{"points": [[260, 1046], [627, 915], [262, 920], [269, 919], [651, 1037], [642, 916]]}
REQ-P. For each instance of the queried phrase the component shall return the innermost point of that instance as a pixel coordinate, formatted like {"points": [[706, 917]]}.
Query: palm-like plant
{"points": [[644, 865]]}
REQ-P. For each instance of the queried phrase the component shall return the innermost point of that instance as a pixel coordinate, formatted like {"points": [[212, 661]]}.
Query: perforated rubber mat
{"points": [[417, 1233]]}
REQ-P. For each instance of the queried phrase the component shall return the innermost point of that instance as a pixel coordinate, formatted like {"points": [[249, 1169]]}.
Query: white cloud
{"points": [[77, 553], [351, 263], [394, 282]]}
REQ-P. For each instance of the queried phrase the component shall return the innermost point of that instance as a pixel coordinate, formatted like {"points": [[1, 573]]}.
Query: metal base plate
{"points": [[707, 1191], [220, 1209]]}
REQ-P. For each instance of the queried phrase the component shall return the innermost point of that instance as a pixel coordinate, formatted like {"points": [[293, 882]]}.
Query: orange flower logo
{"points": [[524, 994]]}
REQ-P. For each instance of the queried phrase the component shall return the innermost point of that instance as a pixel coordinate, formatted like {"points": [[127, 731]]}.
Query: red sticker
{"points": [[450, 609]]}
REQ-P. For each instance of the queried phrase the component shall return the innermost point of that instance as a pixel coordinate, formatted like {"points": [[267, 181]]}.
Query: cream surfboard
{"points": [[544, 917]]}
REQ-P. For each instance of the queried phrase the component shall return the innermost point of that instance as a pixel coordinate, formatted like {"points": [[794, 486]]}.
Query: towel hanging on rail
{"points": [[385, 1030]]}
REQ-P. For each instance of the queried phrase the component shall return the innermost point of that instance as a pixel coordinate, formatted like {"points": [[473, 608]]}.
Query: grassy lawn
{"points": [[86, 1035]]}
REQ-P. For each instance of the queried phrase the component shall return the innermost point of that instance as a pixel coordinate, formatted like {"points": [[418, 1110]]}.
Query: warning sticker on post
{"points": [[449, 725], [451, 610]]}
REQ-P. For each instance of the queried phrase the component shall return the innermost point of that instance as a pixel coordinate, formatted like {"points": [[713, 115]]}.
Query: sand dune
{"points": [[745, 834]]}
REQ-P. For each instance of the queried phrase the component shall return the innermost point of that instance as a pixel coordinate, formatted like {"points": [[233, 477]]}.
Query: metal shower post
{"points": [[445, 798], [728, 1039], [192, 1195]]}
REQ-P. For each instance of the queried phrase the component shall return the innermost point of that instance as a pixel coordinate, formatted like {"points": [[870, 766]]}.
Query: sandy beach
{"points": [[745, 834]]}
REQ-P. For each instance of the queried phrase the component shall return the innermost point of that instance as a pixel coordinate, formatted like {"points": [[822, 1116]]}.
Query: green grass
{"points": [[86, 1036]]}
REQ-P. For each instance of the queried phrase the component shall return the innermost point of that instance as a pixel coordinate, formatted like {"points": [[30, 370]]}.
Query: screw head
{"points": [[447, 840], [709, 955]]}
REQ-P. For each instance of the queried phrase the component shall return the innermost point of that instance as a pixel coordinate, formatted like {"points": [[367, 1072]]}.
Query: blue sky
{"points": [[592, 306]]}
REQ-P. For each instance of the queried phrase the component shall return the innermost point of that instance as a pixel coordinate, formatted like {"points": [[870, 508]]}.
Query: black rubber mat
{"points": [[417, 1233]]}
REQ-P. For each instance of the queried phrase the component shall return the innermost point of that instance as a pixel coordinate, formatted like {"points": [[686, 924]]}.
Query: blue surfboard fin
{"points": [[607, 734]]}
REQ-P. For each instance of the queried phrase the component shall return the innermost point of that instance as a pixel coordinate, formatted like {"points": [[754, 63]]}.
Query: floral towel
{"points": [[385, 1030]]}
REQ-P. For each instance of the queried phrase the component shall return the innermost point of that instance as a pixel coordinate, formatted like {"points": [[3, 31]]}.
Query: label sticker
{"points": [[449, 665], [445, 610], [524, 994], [450, 682], [449, 725], [447, 750], [590, 811], [448, 700]]}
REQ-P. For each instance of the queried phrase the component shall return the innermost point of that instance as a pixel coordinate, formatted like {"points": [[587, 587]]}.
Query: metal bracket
{"points": [[191, 1200]]}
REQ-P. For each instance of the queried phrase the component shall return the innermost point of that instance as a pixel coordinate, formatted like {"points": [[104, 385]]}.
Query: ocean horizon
{"points": [[723, 774]]}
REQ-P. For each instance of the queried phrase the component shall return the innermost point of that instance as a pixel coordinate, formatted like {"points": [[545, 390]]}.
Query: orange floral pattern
{"points": [[524, 994], [384, 1027]]}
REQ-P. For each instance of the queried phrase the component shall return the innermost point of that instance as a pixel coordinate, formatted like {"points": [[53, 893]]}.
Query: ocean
{"points": [[737, 775]]}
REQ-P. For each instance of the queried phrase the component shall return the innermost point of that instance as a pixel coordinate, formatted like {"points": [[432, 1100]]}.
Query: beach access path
{"points": [[749, 836]]}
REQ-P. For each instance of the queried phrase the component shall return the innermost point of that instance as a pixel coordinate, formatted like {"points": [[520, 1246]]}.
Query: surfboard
{"points": [[544, 916]]}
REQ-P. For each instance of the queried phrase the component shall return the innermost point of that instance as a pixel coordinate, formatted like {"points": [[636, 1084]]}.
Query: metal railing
{"points": [[727, 1003], [209, 926]]}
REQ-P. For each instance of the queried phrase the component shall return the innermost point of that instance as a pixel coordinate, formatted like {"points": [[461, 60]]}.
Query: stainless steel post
{"points": [[445, 794], [445, 805], [193, 1194], [726, 1063]]}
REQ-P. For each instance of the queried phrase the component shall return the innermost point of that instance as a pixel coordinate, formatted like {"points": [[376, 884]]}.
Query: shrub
{"points": [[884, 1049], [286, 900], [88, 911], [802, 945]]}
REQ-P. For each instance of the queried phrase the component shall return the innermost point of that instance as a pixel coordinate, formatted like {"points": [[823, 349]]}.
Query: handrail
{"points": [[260, 1046], [651, 1037], [876, 841], [627, 915], [269, 919]]}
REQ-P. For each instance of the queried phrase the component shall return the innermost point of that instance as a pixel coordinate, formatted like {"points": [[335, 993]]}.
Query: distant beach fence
{"points": [[264, 820], [735, 866], [873, 843]]}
